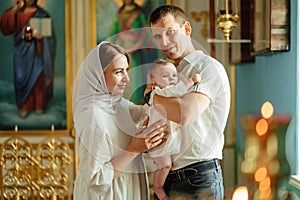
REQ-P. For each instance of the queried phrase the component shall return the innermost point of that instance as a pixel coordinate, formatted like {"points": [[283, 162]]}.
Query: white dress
{"points": [[104, 124], [95, 175], [173, 143]]}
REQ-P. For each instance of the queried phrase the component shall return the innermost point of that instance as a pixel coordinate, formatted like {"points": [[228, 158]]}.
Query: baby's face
{"points": [[164, 75]]}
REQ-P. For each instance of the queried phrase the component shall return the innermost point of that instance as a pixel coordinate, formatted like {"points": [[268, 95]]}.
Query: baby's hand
{"points": [[193, 80], [196, 78]]}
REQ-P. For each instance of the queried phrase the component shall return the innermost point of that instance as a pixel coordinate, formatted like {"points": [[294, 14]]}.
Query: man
{"points": [[203, 112]]}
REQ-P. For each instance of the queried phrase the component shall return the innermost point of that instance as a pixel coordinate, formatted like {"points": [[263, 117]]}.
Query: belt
{"points": [[193, 169]]}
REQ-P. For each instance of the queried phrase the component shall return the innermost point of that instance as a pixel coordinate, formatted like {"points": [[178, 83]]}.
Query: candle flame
{"points": [[240, 192]]}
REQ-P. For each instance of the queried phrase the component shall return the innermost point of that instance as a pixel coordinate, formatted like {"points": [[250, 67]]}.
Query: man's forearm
{"points": [[168, 106], [182, 110]]}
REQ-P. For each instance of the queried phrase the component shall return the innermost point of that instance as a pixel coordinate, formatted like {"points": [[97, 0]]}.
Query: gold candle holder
{"points": [[226, 18]]}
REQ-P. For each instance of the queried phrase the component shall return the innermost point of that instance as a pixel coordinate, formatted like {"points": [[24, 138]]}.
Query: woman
{"points": [[111, 165]]}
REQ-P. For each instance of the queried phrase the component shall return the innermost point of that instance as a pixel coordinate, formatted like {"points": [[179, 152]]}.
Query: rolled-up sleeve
{"points": [[93, 174], [101, 178]]}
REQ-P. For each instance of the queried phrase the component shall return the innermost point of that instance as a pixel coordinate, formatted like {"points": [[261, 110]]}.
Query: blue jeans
{"points": [[201, 180]]}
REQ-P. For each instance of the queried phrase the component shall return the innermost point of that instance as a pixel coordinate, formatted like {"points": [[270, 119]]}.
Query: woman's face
{"points": [[116, 75]]}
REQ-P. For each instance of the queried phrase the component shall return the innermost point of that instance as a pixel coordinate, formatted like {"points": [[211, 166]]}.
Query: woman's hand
{"points": [[144, 139], [149, 137]]}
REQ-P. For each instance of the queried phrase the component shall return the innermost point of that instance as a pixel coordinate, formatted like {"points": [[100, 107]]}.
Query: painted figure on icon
{"points": [[128, 30], [34, 54]]}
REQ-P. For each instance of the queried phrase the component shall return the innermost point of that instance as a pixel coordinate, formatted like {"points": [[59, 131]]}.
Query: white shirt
{"points": [[203, 139]]}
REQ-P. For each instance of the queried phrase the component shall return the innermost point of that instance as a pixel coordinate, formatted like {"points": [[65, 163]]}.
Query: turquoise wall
{"points": [[272, 77]]}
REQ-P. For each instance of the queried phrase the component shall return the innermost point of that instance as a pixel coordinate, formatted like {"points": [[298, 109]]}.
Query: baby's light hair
{"points": [[160, 61]]}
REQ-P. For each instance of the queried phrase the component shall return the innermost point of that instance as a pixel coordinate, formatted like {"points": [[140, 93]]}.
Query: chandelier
{"points": [[227, 16]]}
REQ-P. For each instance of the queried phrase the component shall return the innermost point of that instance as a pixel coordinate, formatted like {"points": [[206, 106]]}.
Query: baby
{"points": [[166, 82]]}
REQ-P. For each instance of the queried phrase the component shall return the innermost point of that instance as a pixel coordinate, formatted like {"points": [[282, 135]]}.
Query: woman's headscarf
{"points": [[90, 87], [91, 97]]}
